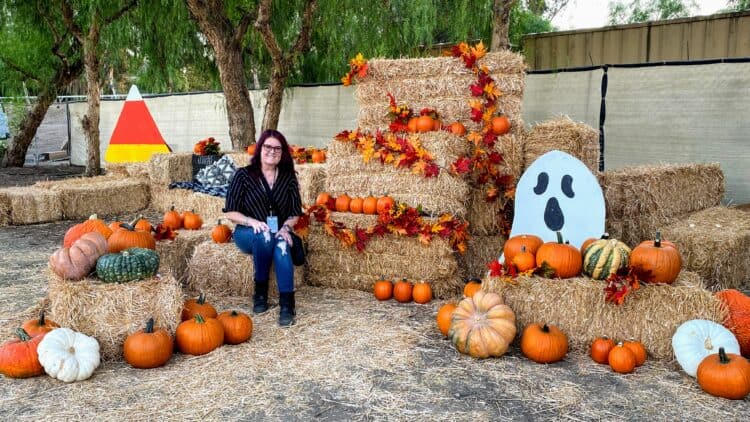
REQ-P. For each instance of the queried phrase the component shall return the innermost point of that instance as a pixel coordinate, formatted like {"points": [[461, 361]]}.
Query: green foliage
{"points": [[634, 11], [737, 5]]}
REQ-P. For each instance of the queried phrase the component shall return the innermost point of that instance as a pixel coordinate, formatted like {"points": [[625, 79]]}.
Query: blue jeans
{"points": [[266, 249]]}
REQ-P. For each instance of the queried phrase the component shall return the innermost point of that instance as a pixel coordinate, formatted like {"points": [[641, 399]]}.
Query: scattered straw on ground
{"points": [[30, 205], [577, 306], [715, 243], [563, 134]]}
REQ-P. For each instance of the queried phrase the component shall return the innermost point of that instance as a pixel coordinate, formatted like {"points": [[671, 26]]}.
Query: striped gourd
{"points": [[128, 265], [604, 258]]}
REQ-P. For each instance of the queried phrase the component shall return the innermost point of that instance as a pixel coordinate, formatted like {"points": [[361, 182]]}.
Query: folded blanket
{"points": [[220, 191]]}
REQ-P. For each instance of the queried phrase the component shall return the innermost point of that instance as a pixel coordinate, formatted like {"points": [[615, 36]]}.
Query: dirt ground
{"points": [[348, 358]]}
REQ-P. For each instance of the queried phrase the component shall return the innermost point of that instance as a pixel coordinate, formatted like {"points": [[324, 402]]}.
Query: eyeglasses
{"points": [[272, 149]]}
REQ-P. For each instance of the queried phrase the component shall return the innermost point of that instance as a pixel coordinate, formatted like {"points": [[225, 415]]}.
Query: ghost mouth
{"points": [[553, 216]]}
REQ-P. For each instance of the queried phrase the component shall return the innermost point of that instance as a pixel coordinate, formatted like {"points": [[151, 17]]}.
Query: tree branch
{"points": [[67, 12], [244, 25], [263, 25], [19, 69], [120, 12], [303, 40]]}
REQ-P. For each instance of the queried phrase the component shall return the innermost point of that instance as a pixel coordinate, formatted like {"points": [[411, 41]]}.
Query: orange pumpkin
{"points": [[221, 233], [383, 289], [425, 124], [600, 348], [402, 291], [355, 205], [544, 343], [444, 316], [143, 224], [621, 359], [148, 348], [198, 306], [172, 219], [191, 221], [563, 258], [199, 335], [342, 203], [238, 326], [436, 125], [18, 357], [128, 237], [318, 156], [411, 125], [370, 205], [115, 225], [514, 244], [738, 317], [326, 200], [90, 225], [638, 349], [422, 293], [472, 286], [384, 204], [524, 260], [656, 261], [724, 375], [591, 240], [500, 125], [457, 128], [39, 325]]}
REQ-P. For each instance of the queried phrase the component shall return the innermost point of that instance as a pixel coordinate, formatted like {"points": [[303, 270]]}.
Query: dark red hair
{"points": [[285, 165]]}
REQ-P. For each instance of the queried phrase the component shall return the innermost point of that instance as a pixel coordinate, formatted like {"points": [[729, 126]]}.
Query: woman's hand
{"points": [[284, 234], [258, 226]]}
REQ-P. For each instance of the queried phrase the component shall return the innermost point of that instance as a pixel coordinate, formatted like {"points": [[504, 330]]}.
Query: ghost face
{"points": [[559, 193]]}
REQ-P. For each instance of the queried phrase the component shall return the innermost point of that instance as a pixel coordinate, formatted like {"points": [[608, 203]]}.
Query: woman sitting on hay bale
{"points": [[264, 201]]}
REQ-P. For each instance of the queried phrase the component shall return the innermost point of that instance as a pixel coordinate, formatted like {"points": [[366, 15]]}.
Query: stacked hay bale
{"points": [[714, 243], [29, 205], [642, 199], [101, 195], [577, 306], [563, 134], [174, 255]]}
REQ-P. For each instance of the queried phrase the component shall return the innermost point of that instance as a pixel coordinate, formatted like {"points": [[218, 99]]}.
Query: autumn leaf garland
{"points": [[357, 67]]}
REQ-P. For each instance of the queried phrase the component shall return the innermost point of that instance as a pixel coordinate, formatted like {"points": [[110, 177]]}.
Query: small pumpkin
{"points": [[191, 221], [342, 203], [444, 317], [370, 205], [621, 359], [143, 225], [172, 219], [656, 261], [605, 257], [500, 125], [251, 149], [482, 325], [199, 335], [698, 338], [411, 125], [18, 357], [129, 265], [422, 293], [524, 260], [738, 317], [725, 375], [128, 237], [318, 156], [355, 205], [383, 289], [39, 325], [425, 124], [402, 291], [221, 233], [115, 225], [544, 343], [77, 261], [457, 128], [472, 286], [93, 224], [68, 355], [638, 349], [238, 326], [514, 245], [384, 204], [198, 306], [564, 259], [600, 348], [148, 348]]}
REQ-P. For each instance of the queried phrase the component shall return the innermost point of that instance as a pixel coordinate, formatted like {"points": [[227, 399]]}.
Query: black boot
{"points": [[286, 309], [260, 297]]}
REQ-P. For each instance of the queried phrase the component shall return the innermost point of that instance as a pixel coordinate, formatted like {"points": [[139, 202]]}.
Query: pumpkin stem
{"points": [[129, 226], [234, 313], [199, 319], [723, 358], [605, 235], [149, 326], [41, 318], [474, 279], [93, 217], [559, 238], [657, 240], [201, 298], [135, 220], [22, 334], [545, 328]]}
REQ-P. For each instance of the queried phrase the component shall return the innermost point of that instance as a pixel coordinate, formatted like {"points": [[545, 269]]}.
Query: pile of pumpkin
{"points": [[344, 203], [403, 291], [499, 125]]}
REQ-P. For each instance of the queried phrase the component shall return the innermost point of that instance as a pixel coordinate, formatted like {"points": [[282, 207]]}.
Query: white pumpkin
{"points": [[68, 355], [698, 338]]}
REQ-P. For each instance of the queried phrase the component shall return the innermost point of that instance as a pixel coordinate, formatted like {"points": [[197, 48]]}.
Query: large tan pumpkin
{"points": [[482, 325], [77, 261]]}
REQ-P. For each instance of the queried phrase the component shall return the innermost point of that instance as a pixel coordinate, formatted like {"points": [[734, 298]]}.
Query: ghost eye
{"points": [[567, 186], [541, 183]]}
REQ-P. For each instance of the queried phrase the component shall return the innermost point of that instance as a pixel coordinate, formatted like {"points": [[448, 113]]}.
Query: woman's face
{"points": [[271, 153]]}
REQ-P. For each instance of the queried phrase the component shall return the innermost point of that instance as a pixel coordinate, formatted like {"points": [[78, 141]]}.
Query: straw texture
{"points": [[30, 205], [103, 197], [576, 305], [174, 255], [311, 178], [109, 312], [480, 251], [134, 170], [207, 206], [563, 134], [167, 168], [504, 61]]}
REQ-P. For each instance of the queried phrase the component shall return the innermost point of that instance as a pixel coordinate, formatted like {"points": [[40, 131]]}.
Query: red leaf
{"points": [[476, 115], [461, 166], [476, 90], [496, 268]]}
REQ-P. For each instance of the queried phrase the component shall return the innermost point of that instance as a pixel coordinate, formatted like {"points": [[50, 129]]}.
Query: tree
{"points": [[738, 5], [648, 10], [546, 8], [501, 24]]}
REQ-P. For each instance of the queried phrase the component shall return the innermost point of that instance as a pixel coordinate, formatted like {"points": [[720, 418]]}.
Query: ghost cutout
{"points": [[557, 192]]}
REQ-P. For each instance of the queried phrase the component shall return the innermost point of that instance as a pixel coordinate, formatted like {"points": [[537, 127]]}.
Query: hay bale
{"points": [[29, 205], [240, 158], [577, 139], [576, 305], [486, 218], [167, 168], [480, 251], [331, 264], [174, 255], [504, 61], [111, 311], [209, 207], [138, 170], [311, 178], [103, 197], [222, 270], [714, 243], [77, 181]]}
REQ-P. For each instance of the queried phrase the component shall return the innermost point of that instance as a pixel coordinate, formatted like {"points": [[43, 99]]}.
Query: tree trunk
{"points": [[275, 96], [501, 24], [15, 156], [226, 41], [90, 121]]}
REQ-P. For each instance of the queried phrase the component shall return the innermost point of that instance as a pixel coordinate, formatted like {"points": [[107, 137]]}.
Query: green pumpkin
{"points": [[605, 257], [128, 265]]}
